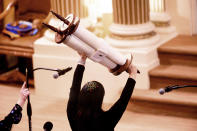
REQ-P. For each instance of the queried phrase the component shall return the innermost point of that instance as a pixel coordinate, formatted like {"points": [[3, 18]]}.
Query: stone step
{"points": [[177, 59], [175, 104], [181, 50], [49, 108], [133, 121], [168, 75]]}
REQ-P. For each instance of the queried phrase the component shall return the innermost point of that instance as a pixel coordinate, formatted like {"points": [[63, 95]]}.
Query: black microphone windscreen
{"points": [[48, 126]]}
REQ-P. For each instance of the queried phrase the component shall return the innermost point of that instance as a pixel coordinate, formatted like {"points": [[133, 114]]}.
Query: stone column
{"points": [[132, 32], [131, 22], [159, 16], [130, 12], [65, 7], [56, 56]]}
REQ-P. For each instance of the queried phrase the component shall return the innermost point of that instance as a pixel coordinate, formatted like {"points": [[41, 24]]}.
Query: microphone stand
{"points": [[29, 109], [177, 86], [170, 88]]}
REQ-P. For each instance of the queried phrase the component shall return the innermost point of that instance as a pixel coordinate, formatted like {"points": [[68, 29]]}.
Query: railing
{"points": [[7, 10]]}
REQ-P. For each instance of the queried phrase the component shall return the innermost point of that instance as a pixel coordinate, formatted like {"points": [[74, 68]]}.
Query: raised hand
{"points": [[24, 92]]}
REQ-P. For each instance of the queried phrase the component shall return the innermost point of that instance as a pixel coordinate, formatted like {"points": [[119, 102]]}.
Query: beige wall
{"points": [[181, 13], [194, 16]]}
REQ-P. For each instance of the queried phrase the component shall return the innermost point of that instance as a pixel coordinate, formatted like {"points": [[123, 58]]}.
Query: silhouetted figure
{"points": [[84, 105]]}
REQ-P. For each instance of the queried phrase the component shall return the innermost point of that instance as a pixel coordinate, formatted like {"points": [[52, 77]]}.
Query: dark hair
{"points": [[91, 99]]}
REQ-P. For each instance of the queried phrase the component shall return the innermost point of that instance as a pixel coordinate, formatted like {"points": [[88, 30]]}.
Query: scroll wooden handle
{"points": [[120, 69], [6, 11]]}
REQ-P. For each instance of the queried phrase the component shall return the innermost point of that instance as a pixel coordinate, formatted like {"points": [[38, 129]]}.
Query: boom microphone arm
{"points": [[29, 109]]}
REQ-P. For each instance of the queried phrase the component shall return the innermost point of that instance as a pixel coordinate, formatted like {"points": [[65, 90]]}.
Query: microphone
{"points": [[164, 90], [170, 88], [55, 76], [48, 126], [61, 72]]}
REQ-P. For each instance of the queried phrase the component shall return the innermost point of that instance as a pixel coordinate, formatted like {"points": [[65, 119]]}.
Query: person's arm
{"points": [[116, 111], [15, 115], [24, 92], [75, 88]]}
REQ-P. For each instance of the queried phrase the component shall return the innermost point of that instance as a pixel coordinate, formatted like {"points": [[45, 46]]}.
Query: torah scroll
{"points": [[72, 34]]}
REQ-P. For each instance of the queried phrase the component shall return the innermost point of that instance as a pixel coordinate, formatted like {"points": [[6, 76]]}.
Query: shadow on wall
{"points": [[180, 12]]}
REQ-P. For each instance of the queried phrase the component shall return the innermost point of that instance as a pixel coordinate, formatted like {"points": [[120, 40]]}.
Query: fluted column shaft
{"points": [[131, 20], [157, 5], [130, 12], [65, 7]]}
